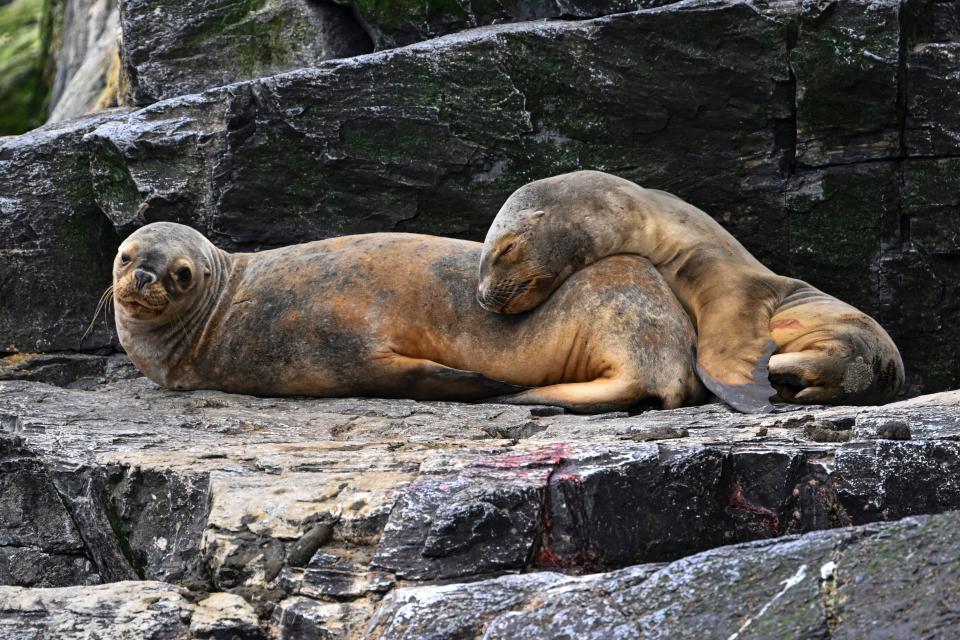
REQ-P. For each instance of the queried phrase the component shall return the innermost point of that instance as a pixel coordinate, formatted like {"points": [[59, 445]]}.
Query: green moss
{"points": [[23, 91]]}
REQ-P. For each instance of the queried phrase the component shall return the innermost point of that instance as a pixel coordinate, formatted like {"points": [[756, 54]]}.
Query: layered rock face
{"points": [[823, 135], [354, 518]]}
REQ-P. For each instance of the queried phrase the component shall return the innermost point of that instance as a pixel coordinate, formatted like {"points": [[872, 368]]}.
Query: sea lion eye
{"points": [[183, 276], [124, 259], [507, 249]]}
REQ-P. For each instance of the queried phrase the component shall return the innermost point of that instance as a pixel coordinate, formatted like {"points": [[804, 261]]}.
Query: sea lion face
{"points": [[159, 272], [515, 275]]}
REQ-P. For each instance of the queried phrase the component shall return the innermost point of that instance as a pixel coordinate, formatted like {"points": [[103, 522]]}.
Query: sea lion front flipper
{"points": [[753, 393], [422, 379]]}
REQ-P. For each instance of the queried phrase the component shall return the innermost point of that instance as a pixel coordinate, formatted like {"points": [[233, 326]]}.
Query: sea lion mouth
{"points": [[138, 306], [509, 296]]}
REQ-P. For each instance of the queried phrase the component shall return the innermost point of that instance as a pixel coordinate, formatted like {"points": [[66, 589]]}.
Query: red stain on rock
{"points": [[738, 501]]}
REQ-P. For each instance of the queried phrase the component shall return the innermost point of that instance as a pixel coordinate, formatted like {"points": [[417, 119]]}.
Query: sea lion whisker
{"points": [[104, 301]]}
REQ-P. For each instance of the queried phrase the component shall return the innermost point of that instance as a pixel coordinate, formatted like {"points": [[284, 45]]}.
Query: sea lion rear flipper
{"points": [[428, 380], [751, 396], [596, 396]]}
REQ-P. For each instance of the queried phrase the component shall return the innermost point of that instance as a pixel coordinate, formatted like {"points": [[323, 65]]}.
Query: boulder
{"points": [[171, 48]]}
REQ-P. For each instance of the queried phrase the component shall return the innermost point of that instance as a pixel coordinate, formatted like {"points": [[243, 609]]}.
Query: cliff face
{"points": [[824, 135]]}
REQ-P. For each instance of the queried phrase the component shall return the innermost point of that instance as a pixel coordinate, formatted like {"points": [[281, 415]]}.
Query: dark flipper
{"points": [[745, 398], [427, 380]]}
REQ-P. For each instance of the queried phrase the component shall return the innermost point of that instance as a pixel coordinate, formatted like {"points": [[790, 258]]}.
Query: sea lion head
{"points": [[160, 271], [540, 236]]}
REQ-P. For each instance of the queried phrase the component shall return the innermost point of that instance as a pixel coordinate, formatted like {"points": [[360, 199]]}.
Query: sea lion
{"points": [[823, 350], [393, 315]]}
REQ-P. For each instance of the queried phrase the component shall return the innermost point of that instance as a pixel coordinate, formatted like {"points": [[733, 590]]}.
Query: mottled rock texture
{"points": [[172, 47], [821, 134], [342, 517]]}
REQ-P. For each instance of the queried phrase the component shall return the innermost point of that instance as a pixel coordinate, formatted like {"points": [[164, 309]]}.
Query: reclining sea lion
{"points": [[393, 315], [823, 350]]}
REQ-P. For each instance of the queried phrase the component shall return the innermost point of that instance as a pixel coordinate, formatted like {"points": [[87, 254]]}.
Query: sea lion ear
{"points": [[536, 215]]}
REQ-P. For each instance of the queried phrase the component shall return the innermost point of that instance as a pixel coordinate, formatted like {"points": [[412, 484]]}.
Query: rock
{"points": [[223, 616], [22, 91], [381, 142], [826, 431], [87, 59], [268, 498], [148, 610], [932, 42], [312, 510], [849, 114], [395, 24], [823, 585], [164, 42], [56, 247]]}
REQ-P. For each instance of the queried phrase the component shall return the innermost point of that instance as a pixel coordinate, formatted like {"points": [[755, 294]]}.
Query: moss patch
{"points": [[22, 88]]}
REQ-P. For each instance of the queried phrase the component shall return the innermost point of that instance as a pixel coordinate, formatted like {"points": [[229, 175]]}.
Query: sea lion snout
{"points": [[143, 278]]}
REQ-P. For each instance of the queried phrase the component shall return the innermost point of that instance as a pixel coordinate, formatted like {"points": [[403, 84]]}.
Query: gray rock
{"points": [[230, 494], [147, 610], [395, 24], [838, 584], [56, 247], [814, 188], [171, 48]]}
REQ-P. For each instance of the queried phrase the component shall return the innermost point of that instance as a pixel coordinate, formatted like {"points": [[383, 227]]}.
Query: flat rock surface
{"points": [[313, 510]]}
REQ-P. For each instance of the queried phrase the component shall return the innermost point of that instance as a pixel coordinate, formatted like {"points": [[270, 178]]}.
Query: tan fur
{"points": [[394, 315], [823, 350]]}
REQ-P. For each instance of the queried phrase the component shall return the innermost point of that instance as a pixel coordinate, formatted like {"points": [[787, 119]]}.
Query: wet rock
{"points": [[849, 114], [164, 41], [810, 587]]}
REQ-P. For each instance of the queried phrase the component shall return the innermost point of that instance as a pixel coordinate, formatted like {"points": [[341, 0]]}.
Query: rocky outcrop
{"points": [[147, 610], [313, 511], [828, 585], [171, 48], [823, 135], [837, 169]]}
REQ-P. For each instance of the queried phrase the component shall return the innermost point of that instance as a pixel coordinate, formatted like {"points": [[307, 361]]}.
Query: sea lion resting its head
{"points": [[823, 350], [393, 315]]}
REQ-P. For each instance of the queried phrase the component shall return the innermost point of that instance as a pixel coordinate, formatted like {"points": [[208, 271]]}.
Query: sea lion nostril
{"points": [[143, 278]]}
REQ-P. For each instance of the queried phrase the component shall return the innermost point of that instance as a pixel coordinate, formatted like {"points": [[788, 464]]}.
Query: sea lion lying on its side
{"points": [[393, 315]]}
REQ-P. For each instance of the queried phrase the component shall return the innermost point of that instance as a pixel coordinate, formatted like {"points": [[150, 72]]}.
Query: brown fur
{"points": [[394, 315], [823, 350]]}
